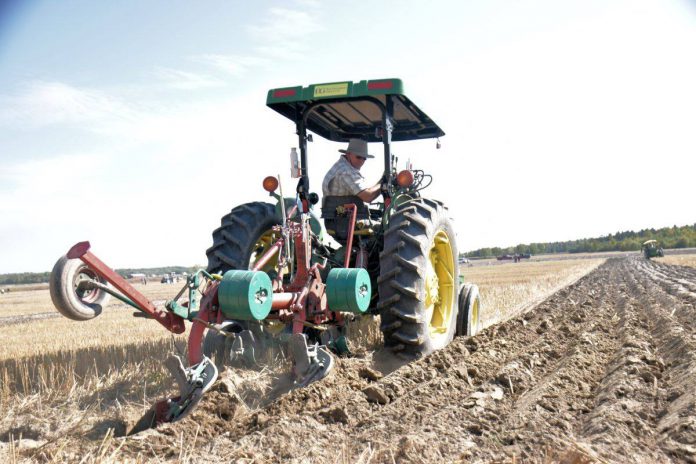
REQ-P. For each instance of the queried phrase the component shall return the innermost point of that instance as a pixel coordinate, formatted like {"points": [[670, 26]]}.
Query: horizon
{"points": [[202, 266], [138, 132]]}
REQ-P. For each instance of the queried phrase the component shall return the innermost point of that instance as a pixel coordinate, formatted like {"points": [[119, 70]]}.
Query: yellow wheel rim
{"points": [[262, 245], [439, 286], [475, 316]]}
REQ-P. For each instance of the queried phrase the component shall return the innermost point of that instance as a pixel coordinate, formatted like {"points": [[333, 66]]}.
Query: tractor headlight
{"points": [[404, 178], [270, 184]]}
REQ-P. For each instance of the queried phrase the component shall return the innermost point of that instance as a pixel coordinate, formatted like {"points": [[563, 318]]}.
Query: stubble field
{"points": [[583, 360]]}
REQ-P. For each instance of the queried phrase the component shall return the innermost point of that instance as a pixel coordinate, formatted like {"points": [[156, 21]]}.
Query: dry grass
{"points": [[116, 326], [60, 370], [509, 288], [35, 299], [53, 425], [680, 260]]}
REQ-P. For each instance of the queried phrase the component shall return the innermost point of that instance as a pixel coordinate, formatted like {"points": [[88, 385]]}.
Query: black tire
{"points": [[235, 240], [417, 229], [461, 321], [469, 317], [72, 303], [235, 244]]}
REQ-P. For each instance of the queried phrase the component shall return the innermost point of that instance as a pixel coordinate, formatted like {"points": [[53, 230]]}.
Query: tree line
{"points": [[42, 277], [669, 237]]}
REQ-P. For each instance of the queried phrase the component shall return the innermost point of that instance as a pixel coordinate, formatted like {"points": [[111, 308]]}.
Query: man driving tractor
{"points": [[344, 177]]}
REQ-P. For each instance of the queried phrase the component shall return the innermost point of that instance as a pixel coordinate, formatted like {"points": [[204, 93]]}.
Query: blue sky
{"points": [[137, 125]]}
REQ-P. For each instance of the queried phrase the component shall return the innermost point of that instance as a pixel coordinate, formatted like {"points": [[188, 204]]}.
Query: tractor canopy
{"points": [[344, 110]]}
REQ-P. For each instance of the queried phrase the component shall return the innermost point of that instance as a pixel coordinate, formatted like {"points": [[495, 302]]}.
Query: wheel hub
{"points": [[86, 295], [432, 286], [439, 285]]}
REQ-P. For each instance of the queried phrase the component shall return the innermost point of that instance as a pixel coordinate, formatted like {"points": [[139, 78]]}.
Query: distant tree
{"points": [[42, 277], [669, 237]]}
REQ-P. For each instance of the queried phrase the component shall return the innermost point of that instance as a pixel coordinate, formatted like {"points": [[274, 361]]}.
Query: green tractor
{"points": [[407, 243], [286, 271], [651, 249]]}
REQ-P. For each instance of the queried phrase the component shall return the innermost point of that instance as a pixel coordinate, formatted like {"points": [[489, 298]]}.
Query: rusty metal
{"points": [[351, 231], [170, 321], [206, 316], [301, 257], [275, 248], [283, 300]]}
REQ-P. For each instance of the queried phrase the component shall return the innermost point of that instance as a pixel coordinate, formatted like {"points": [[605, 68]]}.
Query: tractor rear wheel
{"points": [[244, 235], [418, 281]]}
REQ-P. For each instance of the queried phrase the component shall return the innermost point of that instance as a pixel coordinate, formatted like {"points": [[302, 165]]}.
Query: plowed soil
{"points": [[603, 370]]}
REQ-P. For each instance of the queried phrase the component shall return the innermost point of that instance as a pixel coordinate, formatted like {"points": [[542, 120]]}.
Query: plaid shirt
{"points": [[343, 179]]}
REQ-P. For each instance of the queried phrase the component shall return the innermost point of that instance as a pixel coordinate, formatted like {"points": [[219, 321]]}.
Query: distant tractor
{"points": [[651, 249]]}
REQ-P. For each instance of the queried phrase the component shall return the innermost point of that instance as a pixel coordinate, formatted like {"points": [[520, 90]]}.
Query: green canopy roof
{"points": [[346, 110]]}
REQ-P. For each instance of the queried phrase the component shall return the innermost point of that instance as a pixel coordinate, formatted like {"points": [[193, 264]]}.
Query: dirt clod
{"points": [[375, 394], [370, 374]]}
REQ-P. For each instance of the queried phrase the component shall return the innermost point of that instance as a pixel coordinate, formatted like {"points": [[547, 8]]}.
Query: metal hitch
{"points": [[310, 363]]}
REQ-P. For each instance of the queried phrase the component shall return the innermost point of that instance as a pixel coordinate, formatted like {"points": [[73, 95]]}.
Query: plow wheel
{"points": [[418, 282], [71, 293], [243, 237]]}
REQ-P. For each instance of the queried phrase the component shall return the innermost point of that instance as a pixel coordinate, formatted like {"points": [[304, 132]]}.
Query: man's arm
{"points": [[370, 194]]}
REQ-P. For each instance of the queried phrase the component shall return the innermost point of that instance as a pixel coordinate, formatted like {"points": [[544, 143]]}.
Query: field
{"points": [[582, 360], [679, 260]]}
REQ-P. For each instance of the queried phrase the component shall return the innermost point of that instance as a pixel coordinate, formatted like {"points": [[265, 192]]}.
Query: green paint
{"points": [[348, 290], [360, 89], [245, 295]]}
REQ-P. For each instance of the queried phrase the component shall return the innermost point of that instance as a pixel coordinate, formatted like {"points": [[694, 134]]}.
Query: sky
{"points": [[136, 125]]}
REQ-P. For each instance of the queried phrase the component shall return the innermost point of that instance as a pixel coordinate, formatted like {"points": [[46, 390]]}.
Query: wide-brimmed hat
{"points": [[358, 147]]}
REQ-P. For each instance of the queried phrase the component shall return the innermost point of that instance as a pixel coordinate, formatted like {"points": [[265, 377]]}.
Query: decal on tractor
{"points": [[331, 90]]}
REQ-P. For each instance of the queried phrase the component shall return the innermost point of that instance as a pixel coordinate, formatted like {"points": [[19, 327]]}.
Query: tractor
{"points": [[294, 271], [651, 249]]}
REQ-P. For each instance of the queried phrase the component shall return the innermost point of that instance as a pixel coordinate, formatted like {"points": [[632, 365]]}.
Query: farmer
{"points": [[344, 177]]}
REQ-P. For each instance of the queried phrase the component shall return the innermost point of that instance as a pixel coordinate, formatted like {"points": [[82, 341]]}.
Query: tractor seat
{"points": [[337, 222]]}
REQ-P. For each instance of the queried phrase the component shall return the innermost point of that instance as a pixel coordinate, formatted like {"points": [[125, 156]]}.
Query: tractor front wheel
{"points": [[418, 280], [469, 317]]}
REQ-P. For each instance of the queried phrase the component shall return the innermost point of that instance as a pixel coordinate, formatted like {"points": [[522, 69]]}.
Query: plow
{"points": [[283, 271]]}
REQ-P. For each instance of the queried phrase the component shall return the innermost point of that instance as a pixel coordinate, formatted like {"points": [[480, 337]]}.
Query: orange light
{"points": [[404, 178], [270, 184]]}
